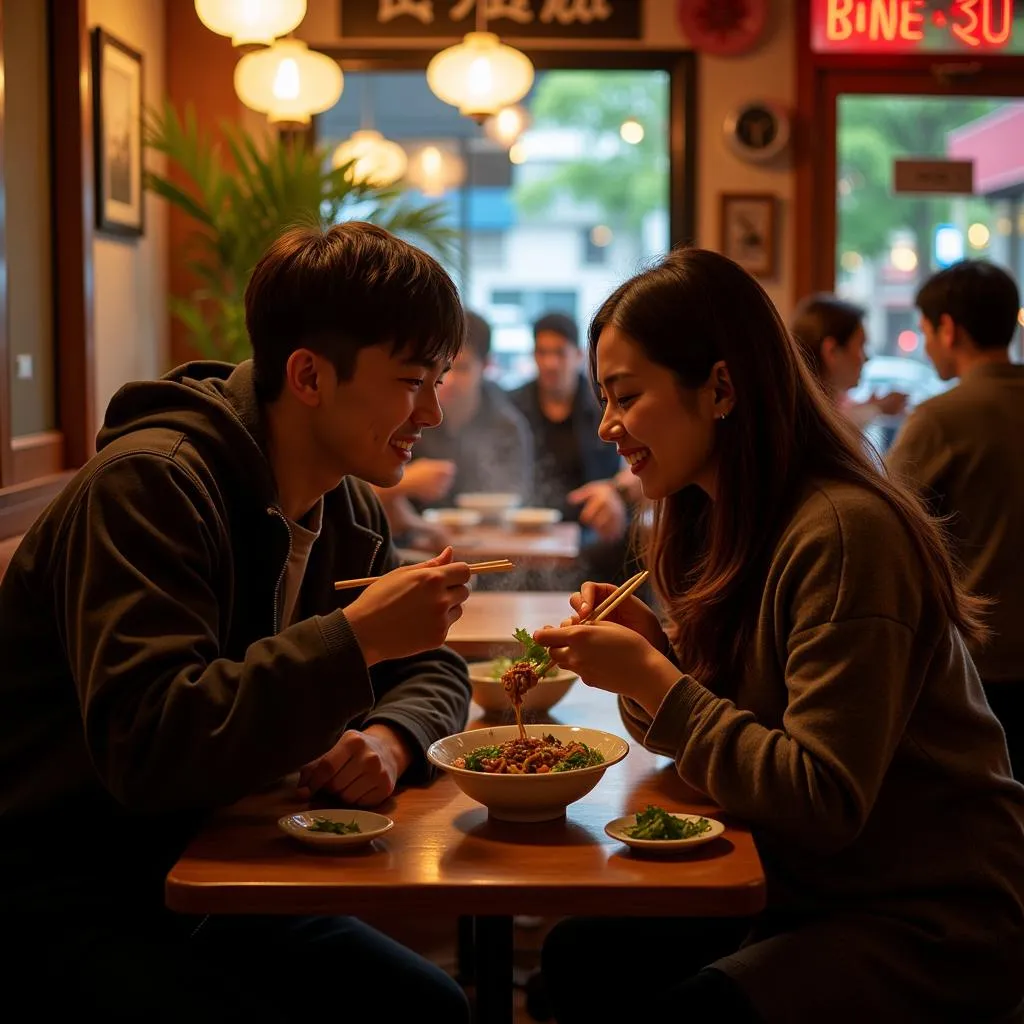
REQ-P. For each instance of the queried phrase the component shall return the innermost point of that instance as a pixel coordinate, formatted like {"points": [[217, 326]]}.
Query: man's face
{"points": [[558, 364], [367, 426], [460, 392]]}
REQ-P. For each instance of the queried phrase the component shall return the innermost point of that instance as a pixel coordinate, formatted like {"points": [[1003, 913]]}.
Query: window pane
{"points": [[555, 223]]}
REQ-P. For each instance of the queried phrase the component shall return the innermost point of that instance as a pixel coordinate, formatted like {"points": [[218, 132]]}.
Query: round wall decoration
{"points": [[722, 28]]}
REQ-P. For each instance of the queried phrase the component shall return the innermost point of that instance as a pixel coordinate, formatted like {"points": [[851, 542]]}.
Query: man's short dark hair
{"points": [[558, 323], [478, 336], [977, 296], [341, 290]]}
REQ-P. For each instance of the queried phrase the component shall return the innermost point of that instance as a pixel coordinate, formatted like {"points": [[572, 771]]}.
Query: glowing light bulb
{"points": [[286, 81], [978, 235], [632, 131]]}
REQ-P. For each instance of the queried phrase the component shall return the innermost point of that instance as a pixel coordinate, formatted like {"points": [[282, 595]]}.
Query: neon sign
{"points": [[917, 26]]}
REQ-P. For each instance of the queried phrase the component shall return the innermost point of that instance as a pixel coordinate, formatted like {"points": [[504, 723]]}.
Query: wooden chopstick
{"points": [[476, 568], [602, 611]]}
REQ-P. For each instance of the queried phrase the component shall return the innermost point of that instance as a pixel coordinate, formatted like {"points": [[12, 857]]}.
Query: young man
{"points": [[964, 450], [575, 470], [484, 443], [172, 640]]}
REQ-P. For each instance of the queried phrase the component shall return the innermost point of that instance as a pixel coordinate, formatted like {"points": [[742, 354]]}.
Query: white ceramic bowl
{"points": [[532, 519], [370, 825], [491, 696], [527, 797], [490, 505], [617, 829], [454, 518]]}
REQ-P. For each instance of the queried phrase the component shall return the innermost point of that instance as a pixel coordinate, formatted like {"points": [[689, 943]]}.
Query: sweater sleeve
{"points": [[852, 677], [171, 724]]}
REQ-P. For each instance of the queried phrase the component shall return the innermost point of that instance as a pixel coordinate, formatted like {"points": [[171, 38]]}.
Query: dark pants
{"points": [[634, 969], [219, 969], [1007, 703]]}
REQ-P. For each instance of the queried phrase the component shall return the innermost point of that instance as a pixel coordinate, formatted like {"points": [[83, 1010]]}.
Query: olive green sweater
{"points": [[860, 748]]}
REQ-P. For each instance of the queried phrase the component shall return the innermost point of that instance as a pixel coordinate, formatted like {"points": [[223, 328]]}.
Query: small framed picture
{"points": [[748, 231], [117, 117]]}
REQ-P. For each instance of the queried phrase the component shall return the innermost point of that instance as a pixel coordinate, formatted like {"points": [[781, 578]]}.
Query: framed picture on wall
{"points": [[747, 231], [117, 120]]}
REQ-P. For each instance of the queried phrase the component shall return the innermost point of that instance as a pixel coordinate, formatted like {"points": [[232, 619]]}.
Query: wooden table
{"points": [[445, 857], [555, 545], [488, 620]]}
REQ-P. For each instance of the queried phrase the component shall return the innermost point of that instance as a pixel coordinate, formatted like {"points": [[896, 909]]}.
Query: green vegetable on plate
{"points": [[339, 828], [657, 823]]}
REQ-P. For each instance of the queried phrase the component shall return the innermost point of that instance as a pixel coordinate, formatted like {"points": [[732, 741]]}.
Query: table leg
{"points": [[493, 941]]}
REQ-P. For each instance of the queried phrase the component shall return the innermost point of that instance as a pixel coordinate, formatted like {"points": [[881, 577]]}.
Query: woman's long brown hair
{"points": [[709, 559]]}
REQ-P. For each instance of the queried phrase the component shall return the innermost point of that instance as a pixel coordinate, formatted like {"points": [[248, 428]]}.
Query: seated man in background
{"points": [[576, 471], [964, 449], [483, 444], [171, 641]]}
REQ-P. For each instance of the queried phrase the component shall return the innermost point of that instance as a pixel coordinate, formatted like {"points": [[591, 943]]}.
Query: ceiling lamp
{"points": [[378, 162], [507, 125], [434, 170], [480, 75], [288, 82], [251, 21]]}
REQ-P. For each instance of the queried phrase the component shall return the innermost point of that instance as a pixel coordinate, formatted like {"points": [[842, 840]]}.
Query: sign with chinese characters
{"points": [[918, 26], [593, 19]]}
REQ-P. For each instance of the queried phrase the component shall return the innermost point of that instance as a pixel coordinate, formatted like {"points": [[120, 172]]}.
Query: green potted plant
{"points": [[240, 207]]}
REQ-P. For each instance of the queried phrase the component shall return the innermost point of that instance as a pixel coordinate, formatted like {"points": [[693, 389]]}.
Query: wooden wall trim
{"points": [[20, 506], [73, 220], [37, 455], [5, 356]]}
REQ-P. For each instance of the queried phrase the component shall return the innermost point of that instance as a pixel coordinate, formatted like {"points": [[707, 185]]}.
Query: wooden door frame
{"points": [[821, 78], [34, 467]]}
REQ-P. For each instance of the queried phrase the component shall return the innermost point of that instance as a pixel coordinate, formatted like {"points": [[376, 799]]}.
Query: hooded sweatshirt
{"points": [[146, 677]]}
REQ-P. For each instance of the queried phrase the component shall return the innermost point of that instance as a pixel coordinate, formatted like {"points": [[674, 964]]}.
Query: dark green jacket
{"points": [[144, 678]]}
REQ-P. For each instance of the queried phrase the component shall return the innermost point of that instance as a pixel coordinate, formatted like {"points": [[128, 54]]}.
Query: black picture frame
{"points": [[117, 103]]}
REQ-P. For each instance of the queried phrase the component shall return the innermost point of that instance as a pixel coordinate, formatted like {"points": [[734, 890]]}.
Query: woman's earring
{"points": [[722, 415]]}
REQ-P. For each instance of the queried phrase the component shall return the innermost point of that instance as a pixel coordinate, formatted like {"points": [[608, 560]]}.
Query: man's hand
{"points": [[603, 510], [362, 768], [429, 480], [891, 404], [409, 610]]}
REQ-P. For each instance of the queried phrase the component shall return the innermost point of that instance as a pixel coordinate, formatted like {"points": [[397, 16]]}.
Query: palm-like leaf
{"points": [[239, 207]]}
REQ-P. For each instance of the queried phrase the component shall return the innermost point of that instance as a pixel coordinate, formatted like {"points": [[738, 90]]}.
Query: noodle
{"points": [[530, 756], [520, 677]]}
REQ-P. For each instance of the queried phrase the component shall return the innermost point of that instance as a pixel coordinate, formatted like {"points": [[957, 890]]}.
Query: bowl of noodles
{"points": [[528, 780]]}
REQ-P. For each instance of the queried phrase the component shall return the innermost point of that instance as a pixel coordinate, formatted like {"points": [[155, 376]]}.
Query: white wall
{"points": [[131, 276], [767, 73]]}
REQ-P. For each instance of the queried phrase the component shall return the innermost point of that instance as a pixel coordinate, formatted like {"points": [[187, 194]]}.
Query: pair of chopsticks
{"points": [[476, 568], [602, 611]]}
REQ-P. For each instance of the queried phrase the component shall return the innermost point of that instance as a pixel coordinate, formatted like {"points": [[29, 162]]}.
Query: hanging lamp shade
{"points": [[288, 82], [251, 21], [507, 125], [378, 161], [480, 75], [434, 170]]}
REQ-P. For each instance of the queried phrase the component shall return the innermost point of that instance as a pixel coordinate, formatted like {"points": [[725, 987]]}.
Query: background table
{"points": [[556, 545], [489, 619]]}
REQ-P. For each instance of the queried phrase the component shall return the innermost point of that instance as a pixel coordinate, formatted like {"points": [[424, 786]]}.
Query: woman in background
{"points": [[830, 332], [812, 680]]}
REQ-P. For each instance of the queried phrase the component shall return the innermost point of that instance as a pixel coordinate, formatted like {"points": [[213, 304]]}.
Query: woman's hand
{"points": [[612, 657], [631, 613]]}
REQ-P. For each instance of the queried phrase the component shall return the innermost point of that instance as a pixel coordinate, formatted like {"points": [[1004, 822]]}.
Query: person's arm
{"points": [[920, 456], [423, 698], [853, 672], [169, 722]]}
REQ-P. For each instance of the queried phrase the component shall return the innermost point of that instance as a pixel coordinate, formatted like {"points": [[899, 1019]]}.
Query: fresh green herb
{"points": [[474, 757], [337, 827], [530, 651], [580, 759], [657, 823]]}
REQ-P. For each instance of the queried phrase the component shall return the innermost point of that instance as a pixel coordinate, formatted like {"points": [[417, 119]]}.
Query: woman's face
{"points": [[665, 431], [843, 363]]}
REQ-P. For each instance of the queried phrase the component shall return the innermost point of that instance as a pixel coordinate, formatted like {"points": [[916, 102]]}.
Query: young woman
{"points": [[812, 680], [831, 334]]}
